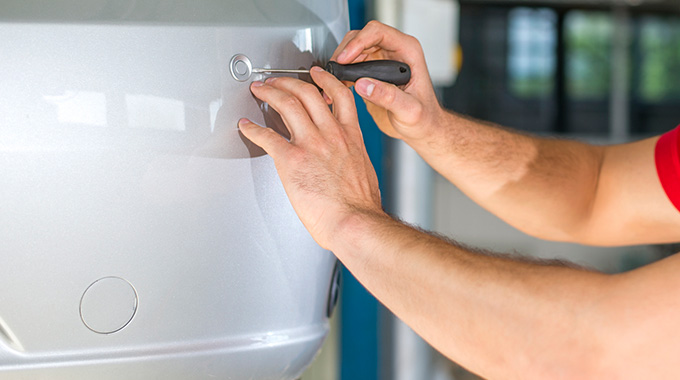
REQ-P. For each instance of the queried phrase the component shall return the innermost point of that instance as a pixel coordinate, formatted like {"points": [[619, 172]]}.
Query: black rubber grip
{"points": [[395, 72]]}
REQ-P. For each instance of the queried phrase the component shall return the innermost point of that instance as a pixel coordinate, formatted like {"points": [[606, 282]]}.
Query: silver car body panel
{"points": [[140, 236]]}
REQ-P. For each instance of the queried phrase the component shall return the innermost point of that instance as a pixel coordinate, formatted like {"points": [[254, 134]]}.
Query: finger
{"points": [[289, 107], [310, 98], [364, 56], [327, 98], [373, 35], [405, 107], [348, 37], [266, 138], [341, 96]]}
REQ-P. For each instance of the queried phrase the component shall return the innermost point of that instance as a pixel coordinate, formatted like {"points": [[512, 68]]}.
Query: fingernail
{"points": [[270, 80], [247, 123], [364, 87], [342, 56], [257, 84], [317, 69]]}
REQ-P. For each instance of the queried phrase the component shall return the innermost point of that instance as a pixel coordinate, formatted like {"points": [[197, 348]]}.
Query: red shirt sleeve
{"points": [[667, 157]]}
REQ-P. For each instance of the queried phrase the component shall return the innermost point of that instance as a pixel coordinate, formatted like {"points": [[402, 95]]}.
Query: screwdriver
{"points": [[395, 72]]}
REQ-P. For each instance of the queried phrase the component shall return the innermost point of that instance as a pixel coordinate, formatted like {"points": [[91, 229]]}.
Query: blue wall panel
{"points": [[360, 341]]}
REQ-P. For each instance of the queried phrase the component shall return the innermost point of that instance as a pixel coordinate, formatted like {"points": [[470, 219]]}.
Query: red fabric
{"points": [[667, 156]]}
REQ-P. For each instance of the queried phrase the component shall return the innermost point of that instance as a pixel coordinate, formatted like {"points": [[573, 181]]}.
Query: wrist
{"points": [[353, 229], [437, 130]]}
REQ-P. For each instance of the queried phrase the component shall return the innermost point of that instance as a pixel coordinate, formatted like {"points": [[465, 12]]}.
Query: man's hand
{"points": [[410, 114], [324, 167]]}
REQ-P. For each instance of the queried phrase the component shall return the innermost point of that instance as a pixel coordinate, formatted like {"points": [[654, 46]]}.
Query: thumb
{"points": [[405, 107]]}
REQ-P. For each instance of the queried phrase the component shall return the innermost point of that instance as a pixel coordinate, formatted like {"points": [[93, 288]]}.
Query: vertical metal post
{"points": [[388, 12], [412, 194], [406, 355]]}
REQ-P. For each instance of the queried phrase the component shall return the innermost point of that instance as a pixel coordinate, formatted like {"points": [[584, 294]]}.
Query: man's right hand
{"points": [[412, 113]]}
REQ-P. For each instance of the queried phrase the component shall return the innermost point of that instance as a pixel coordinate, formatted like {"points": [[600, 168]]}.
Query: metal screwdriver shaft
{"points": [[279, 71]]}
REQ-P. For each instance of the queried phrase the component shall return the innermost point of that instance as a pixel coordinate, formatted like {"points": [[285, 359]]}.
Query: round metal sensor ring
{"points": [[240, 67]]}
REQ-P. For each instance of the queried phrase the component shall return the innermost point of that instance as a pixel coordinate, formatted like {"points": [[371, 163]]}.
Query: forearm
{"points": [[500, 317], [542, 186]]}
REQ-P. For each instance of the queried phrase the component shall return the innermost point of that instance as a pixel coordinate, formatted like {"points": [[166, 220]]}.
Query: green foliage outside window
{"points": [[588, 51], [588, 37], [660, 55]]}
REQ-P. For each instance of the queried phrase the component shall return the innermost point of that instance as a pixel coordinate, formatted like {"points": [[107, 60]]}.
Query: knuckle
{"points": [[308, 87], [343, 92], [335, 135], [290, 102], [373, 24], [351, 34], [416, 110], [325, 150], [277, 81], [389, 95], [297, 155], [419, 109], [413, 41], [346, 92]]}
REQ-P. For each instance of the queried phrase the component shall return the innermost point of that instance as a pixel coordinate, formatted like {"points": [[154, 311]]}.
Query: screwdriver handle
{"points": [[395, 72]]}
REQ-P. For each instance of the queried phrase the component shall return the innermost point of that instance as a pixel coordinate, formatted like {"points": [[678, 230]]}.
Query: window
{"points": [[660, 59], [548, 70], [588, 37], [531, 51]]}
